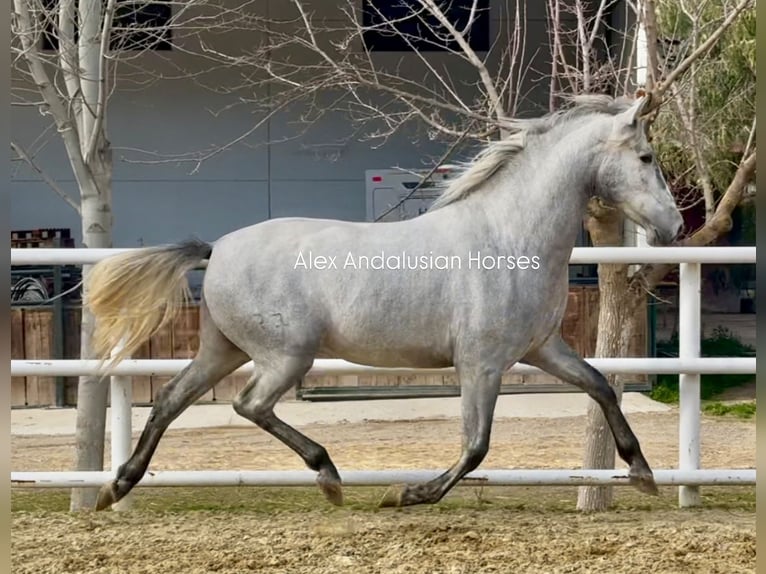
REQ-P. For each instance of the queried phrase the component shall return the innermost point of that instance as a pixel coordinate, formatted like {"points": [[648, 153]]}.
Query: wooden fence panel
{"points": [[18, 384], [186, 339], [161, 344], [38, 344], [142, 384], [229, 387], [72, 337]]}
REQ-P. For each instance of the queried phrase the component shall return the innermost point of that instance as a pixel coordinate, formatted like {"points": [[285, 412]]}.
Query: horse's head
{"points": [[629, 178]]}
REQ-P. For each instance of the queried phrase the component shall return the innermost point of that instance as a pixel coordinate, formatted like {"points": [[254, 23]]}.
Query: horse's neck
{"points": [[541, 201]]}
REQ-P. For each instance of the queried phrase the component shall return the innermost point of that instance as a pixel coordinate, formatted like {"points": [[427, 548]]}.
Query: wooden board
{"points": [[142, 384], [315, 381], [18, 384], [588, 320], [186, 338], [570, 331], [72, 337], [38, 344], [229, 388], [161, 345]]}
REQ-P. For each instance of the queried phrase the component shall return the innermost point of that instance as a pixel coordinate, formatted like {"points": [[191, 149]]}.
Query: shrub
{"points": [[721, 343]]}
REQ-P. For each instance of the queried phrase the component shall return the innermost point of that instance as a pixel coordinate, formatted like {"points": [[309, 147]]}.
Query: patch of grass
{"points": [[722, 343], [739, 410], [665, 390]]}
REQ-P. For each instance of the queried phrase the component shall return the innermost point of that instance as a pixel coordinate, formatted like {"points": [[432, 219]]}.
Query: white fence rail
{"points": [[689, 365]]}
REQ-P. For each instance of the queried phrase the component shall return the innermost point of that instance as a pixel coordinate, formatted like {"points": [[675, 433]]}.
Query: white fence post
{"points": [[121, 388], [689, 335]]}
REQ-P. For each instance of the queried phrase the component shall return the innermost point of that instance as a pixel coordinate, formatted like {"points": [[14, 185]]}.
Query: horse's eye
{"points": [[646, 158]]}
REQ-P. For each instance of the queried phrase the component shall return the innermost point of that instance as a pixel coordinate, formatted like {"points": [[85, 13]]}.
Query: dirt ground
{"points": [[522, 530]]}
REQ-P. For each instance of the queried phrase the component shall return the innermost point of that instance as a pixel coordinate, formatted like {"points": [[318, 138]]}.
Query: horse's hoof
{"points": [[329, 483], [106, 496], [392, 497], [332, 490], [643, 481]]}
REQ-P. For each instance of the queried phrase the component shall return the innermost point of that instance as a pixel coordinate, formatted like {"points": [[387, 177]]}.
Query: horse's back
{"points": [[326, 287], [308, 283]]}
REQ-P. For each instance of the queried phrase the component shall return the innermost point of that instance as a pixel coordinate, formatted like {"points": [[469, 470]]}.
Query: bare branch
{"points": [[24, 156], [100, 111], [68, 54], [750, 140], [700, 51], [428, 175], [687, 114], [496, 107], [652, 42], [25, 33]]}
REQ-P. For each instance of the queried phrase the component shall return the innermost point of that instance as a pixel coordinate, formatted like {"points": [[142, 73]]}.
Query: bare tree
{"points": [[69, 85], [68, 56], [673, 82]]}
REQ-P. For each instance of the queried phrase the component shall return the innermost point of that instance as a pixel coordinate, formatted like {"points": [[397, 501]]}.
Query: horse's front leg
{"points": [[479, 389], [560, 360]]}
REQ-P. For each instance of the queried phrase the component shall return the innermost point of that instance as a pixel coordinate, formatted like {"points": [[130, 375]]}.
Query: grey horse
{"points": [[479, 282]]}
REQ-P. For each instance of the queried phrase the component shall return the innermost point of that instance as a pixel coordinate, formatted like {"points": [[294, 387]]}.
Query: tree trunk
{"points": [[92, 392], [617, 320]]}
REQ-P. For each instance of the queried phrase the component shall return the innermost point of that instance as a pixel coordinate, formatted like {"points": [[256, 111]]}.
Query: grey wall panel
{"points": [[178, 210], [151, 214], [324, 199], [35, 206]]}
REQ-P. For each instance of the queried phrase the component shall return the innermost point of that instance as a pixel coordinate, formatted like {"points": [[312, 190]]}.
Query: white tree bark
{"points": [[92, 392], [606, 229], [96, 212]]}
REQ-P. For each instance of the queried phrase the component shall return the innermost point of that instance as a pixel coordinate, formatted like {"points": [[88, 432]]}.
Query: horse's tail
{"points": [[132, 295]]}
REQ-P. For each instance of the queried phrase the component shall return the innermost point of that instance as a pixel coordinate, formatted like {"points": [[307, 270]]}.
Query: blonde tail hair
{"points": [[133, 295]]}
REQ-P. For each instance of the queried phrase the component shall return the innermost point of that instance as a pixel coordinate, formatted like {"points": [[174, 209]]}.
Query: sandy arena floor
{"points": [[517, 531]]}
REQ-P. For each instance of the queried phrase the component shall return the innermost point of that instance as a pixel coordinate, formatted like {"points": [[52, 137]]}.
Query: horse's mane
{"points": [[498, 153]]}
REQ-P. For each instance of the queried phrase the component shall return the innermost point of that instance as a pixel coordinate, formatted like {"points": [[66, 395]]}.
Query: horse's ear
{"points": [[628, 120]]}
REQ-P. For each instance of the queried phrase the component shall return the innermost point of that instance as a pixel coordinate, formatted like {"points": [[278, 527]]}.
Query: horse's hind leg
{"points": [[217, 357], [559, 359], [256, 403]]}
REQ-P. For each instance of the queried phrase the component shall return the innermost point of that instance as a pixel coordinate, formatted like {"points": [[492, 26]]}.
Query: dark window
{"points": [[404, 25], [135, 26]]}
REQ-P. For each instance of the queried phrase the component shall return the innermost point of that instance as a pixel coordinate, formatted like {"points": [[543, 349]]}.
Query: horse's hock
{"points": [[32, 337]]}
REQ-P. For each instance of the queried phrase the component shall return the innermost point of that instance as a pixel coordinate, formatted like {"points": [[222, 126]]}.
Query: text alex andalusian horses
{"points": [[522, 199]]}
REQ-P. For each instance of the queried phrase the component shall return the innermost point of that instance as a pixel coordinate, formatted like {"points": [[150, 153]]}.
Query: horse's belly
{"points": [[386, 351], [390, 358]]}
